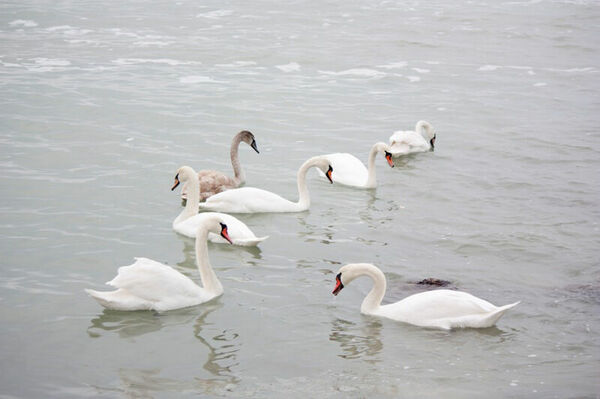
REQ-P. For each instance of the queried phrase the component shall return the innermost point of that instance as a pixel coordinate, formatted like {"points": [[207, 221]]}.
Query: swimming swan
{"points": [[407, 142], [212, 182], [350, 171], [443, 309], [150, 285], [255, 200], [189, 219]]}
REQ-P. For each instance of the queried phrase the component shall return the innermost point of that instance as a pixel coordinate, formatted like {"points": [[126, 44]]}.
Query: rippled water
{"points": [[103, 101]]}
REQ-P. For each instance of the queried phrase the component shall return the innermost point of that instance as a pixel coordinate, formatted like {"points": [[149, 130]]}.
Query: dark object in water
{"points": [[434, 281]]}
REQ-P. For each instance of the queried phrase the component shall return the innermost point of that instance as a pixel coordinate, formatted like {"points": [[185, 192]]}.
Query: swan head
{"points": [[214, 224], [386, 151], [183, 175], [248, 138], [322, 163], [348, 273]]}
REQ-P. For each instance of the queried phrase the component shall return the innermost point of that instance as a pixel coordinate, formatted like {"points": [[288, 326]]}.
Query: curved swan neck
{"points": [[235, 160], [193, 198], [425, 129], [371, 169], [373, 299], [303, 194], [210, 282]]}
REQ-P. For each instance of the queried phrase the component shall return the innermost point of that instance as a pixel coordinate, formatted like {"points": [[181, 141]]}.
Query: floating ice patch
{"points": [[291, 67], [540, 84], [413, 79], [26, 23], [420, 70], [393, 65], [197, 79], [215, 14], [489, 68]]}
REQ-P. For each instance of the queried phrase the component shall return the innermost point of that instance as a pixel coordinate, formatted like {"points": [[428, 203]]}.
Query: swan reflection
{"points": [[221, 359], [357, 341]]}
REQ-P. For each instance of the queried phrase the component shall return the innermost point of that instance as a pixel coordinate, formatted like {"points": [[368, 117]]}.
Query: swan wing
{"points": [[438, 308], [247, 200], [212, 182], [239, 232], [404, 142], [347, 169], [152, 281]]}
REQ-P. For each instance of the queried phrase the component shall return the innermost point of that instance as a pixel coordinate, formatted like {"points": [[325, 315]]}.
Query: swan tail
{"points": [[495, 315], [118, 300], [249, 242]]}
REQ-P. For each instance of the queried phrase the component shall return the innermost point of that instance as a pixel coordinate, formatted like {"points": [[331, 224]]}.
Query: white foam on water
{"points": [[236, 64], [149, 44], [215, 14], [540, 84], [489, 68], [421, 70], [197, 79], [573, 70], [26, 23], [10, 64], [51, 61], [166, 61], [291, 67], [394, 65], [59, 27], [413, 79], [366, 72]]}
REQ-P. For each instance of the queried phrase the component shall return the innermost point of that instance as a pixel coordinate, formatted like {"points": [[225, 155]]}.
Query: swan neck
{"points": [[372, 301], [423, 128], [303, 194], [371, 169], [192, 201], [235, 160], [210, 282]]}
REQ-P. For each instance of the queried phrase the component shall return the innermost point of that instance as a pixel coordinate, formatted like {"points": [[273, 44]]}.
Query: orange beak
{"points": [[338, 285], [388, 157], [224, 233], [175, 184], [328, 174]]}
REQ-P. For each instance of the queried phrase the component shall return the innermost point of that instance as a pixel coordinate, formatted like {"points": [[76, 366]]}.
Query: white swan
{"points": [[189, 219], [150, 285], [420, 140], [443, 309], [255, 200], [350, 171], [212, 182]]}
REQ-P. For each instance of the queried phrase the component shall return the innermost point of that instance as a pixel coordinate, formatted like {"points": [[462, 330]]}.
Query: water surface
{"points": [[102, 102]]}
